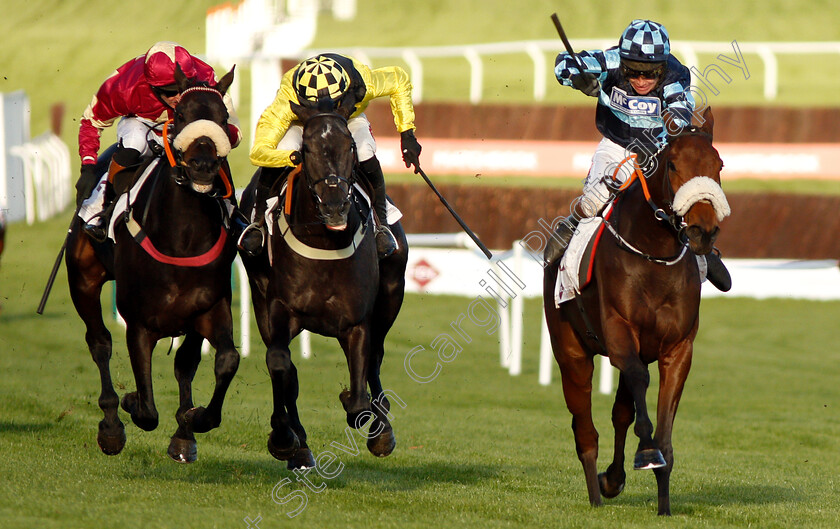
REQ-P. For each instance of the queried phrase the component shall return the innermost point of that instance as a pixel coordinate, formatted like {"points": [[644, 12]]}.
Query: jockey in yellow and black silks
{"points": [[279, 133]]}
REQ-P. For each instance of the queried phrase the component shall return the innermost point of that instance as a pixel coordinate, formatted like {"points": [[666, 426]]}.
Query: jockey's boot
{"points": [[124, 163], [716, 272], [97, 228], [559, 240], [386, 243], [252, 238]]}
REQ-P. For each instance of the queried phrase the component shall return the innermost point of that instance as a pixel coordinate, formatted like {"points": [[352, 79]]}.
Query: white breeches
{"points": [[359, 129]]}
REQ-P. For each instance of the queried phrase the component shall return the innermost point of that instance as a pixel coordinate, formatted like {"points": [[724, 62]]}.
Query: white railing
{"points": [[46, 172], [474, 55]]}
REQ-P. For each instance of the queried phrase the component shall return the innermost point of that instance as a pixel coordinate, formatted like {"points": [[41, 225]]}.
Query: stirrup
{"points": [[386, 243], [248, 243]]}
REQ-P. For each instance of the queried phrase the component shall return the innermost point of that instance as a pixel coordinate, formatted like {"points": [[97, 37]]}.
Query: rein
{"points": [[674, 221]]}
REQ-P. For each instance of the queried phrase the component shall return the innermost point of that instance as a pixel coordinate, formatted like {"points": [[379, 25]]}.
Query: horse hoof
{"points": [[302, 459], [607, 490], [111, 444], [383, 444], [280, 450], [130, 403], [648, 459], [344, 397], [198, 419], [182, 450]]}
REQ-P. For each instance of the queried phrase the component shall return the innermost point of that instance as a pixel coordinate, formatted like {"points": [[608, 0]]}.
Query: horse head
{"points": [[200, 130], [692, 171], [329, 156]]}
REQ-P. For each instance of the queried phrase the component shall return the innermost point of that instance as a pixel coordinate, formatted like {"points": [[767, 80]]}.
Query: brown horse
{"points": [[641, 306], [172, 267], [324, 276]]}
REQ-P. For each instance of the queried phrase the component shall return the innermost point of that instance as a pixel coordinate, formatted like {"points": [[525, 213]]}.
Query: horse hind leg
{"points": [[86, 275], [612, 481], [576, 376], [182, 446]]}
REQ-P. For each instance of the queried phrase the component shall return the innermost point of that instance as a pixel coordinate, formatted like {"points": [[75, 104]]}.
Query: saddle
{"points": [[575, 270]]}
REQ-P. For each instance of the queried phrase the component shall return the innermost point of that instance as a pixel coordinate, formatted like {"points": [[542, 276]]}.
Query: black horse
{"points": [[643, 306], [172, 267], [321, 273]]}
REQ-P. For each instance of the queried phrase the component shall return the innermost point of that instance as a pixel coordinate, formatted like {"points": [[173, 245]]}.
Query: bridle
{"points": [[676, 223], [175, 156], [331, 180]]}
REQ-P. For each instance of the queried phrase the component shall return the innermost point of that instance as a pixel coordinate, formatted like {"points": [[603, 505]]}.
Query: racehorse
{"points": [[322, 274], [171, 261], [641, 306]]}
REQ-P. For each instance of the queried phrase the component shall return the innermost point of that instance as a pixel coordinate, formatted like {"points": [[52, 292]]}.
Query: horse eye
{"points": [[671, 166]]}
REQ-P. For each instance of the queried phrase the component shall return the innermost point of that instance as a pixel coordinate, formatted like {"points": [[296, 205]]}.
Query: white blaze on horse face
{"points": [[701, 188], [203, 127], [327, 131]]}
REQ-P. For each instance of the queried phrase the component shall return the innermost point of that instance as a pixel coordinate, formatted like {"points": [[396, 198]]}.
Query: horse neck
{"points": [[636, 218]]}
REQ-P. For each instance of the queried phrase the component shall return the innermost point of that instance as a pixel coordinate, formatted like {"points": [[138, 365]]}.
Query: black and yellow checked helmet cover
{"points": [[320, 77]]}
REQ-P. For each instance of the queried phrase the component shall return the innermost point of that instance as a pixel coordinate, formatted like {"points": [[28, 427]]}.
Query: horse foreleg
{"points": [[140, 404], [624, 355], [282, 441], [86, 276], [182, 447], [612, 481], [217, 327], [356, 401], [673, 371]]}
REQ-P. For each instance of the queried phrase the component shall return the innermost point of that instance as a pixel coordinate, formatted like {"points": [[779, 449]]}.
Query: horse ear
{"points": [[708, 121], [225, 82], [303, 113], [347, 104], [181, 80]]}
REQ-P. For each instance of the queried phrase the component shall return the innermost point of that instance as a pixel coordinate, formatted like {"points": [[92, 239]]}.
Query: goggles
{"points": [[167, 91], [630, 73]]}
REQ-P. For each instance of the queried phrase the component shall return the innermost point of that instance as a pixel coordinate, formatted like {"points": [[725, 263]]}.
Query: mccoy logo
{"points": [[634, 105]]}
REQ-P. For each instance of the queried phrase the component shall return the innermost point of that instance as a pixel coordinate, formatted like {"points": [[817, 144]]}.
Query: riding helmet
{"points": [[320, 77], [159, 66], [644, 41]]}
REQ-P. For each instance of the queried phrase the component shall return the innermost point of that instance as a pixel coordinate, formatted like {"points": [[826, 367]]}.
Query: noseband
{"points": [[176, 146]]}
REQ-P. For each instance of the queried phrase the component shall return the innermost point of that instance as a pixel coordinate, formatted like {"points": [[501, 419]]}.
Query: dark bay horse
{"points": [[321, 273], [172, 267], [641, 306]]}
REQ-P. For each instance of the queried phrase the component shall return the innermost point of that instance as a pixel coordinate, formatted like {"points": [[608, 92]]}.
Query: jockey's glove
{"points": [[410, 149], [586, 83], [87, 181]]}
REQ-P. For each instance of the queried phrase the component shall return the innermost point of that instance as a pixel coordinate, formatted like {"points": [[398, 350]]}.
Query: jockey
{"points": [[635, 82], [143, 94], [279, 133]]}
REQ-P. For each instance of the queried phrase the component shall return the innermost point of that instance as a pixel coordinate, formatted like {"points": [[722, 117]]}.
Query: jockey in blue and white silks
{"points": [[635, 83]]}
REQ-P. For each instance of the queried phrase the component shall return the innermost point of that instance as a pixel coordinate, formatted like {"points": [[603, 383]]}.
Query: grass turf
{"points": [[756, 438]]}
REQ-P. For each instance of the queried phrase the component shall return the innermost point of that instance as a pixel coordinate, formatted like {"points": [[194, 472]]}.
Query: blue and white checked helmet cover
{"points": [[644, 41]]}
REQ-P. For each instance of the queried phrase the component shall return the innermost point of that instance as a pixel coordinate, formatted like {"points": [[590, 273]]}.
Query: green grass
{"points": [[757, 438]]}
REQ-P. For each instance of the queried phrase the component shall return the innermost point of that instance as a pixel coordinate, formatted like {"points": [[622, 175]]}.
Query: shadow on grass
{"points": [[8, 427], [712, 496], [152, 462]]}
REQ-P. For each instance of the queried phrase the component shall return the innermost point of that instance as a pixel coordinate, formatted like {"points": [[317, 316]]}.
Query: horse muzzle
{"points": [[335, 215]]}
